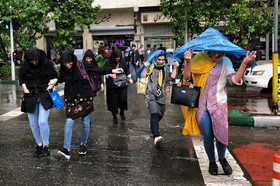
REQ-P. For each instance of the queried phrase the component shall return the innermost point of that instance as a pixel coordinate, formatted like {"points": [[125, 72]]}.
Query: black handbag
{"points": [[120, 80], [187, 95]]}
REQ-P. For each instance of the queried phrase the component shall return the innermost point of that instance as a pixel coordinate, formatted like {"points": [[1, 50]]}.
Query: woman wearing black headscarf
{"points": [[116, 96], [37, 74], [94, 71], [78, 98]]}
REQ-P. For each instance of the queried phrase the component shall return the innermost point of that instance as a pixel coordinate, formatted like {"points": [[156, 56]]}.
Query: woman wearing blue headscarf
{"points": [[155, 95]]}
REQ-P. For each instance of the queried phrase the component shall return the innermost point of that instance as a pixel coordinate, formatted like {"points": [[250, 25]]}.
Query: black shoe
{"points": [[213, 168], [226, 167], [46, 151], [38, 151], [64, 153], [83, 149], [115, 119], [122, 116]]}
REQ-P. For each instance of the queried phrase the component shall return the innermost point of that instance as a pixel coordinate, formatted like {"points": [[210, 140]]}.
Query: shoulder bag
{"points": [[141, 85], [120, 80], [187, 95]]}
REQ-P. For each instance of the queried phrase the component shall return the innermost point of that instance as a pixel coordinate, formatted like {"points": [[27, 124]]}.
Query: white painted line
{"points": [[16, 112], [11, 114], [237, 176]]}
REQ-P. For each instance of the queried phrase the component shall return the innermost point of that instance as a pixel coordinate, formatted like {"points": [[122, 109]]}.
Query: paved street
{"points": [[123, 153]]}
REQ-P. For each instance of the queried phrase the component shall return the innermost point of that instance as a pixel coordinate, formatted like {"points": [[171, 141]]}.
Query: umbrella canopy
{"points": [[152, 59], [212, 40]]}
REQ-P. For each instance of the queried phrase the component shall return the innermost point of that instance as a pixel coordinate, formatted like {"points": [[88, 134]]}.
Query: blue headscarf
{"points": [[212, 40], [152, 59]]}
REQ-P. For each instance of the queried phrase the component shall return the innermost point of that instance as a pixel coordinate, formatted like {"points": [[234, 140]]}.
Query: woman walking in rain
{"points": [[155, 95], [37, 74], [79, 101], [117, 96], [211, 70], [93, 70]]}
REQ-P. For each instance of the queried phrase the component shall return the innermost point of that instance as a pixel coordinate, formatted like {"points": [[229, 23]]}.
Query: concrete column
{"points": [[87, 40], [42, 44], [142, 35]]}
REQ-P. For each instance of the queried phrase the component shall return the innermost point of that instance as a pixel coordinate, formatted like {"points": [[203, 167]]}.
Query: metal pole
{"points": [[267, 47], [186, 39], [12, 51], [275, 61]]}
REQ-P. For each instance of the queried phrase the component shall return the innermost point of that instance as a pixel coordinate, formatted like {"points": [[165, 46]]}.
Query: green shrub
{"points": [[6, 70], [100, 61], [57, 68]]}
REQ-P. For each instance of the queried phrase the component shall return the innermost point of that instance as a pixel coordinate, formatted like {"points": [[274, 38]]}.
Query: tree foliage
{"points": [[34, 16], [241, 19]]}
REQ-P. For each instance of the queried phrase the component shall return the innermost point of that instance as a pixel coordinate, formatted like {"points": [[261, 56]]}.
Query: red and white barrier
{"points": [[276, 170]]}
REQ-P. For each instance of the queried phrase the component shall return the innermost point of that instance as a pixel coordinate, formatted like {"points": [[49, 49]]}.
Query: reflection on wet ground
{"points": [[118, 154], [249, 99], [9, 97]]}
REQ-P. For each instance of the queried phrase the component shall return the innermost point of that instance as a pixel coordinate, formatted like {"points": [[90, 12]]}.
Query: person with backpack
{"points": [[78, 97], [36, 75], [155, 94], [94, 71]]}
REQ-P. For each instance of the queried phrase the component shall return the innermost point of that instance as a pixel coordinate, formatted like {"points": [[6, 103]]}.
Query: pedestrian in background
{"points": [[126, 53], [141, 54], [117, 96], [36, 75], [161, 47], [154, 48], [78, 99], [211, 70], [148, 52], [155, 95], [101, 50], [134, 59]]}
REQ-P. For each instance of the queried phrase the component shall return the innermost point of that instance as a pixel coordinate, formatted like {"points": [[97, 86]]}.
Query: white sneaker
{"points": [[64, 153], [158, 140]]}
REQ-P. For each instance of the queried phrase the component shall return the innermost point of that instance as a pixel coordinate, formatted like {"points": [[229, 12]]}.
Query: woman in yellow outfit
{"points": [[211, 71]]}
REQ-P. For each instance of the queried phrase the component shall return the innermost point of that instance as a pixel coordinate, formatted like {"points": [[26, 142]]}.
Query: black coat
{"points": [[116, 97], [93, 70], [36, 79], [77, 91]]}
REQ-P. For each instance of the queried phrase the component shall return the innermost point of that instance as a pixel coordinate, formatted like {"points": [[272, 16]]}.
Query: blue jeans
{"points": [[208, 138], [39, 123], [154, 124], [131, 68], [68, 130]]}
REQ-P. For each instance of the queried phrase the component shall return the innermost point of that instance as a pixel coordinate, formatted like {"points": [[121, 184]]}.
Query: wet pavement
{"points": [[250, 99], [123, 153], [118, 154]]}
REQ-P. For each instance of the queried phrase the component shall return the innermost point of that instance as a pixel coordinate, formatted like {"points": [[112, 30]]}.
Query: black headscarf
{"points": [[89, 53], [32, 71], [112, 63], [71, 75], [112, 60]]}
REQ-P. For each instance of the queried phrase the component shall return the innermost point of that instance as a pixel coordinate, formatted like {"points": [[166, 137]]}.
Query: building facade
{"points": [[122, 23]]}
